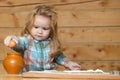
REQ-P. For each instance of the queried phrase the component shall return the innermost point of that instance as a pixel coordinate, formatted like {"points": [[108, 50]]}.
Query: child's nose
{"points": [[40, 31]]}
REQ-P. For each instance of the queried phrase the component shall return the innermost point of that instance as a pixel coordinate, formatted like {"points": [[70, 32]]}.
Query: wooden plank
{"points": [[89, 34], [18, 2], [90, 5], [78, 34], [69, 75], [13, 19], [59, 4], [92, 52], [88, 18], [67, 18]]}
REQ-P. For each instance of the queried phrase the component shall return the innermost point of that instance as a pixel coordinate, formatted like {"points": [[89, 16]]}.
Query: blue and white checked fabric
{"points": [[36, 54]]}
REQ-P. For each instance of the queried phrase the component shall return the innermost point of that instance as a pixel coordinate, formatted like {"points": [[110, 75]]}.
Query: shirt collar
{"points": [[37, 41]]}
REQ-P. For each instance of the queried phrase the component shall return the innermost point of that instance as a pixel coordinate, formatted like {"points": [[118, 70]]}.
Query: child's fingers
{"points": [[76, 67], [7, 40]]}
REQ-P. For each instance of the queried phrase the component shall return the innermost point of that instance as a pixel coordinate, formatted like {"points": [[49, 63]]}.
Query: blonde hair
{"points": [[47, 12]]}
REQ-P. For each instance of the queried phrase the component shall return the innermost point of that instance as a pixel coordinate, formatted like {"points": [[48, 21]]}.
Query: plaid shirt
{"points": [[36, 54]]}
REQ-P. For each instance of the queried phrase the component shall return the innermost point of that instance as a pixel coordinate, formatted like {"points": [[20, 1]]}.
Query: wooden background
{"points": [[88, 29]]}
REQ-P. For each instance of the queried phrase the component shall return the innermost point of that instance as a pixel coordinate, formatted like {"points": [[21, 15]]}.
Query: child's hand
{"points": [[10, 41], [72, 65]]}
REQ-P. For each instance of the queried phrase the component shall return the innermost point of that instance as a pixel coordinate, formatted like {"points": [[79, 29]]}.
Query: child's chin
{"points": [[39, 39]]}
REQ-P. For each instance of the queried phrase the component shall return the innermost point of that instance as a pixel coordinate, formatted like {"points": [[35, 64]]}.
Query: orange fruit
{"points": [[12, 43]]}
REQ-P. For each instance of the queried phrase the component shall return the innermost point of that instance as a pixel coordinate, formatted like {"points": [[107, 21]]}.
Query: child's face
{"points": [[41, 27]]}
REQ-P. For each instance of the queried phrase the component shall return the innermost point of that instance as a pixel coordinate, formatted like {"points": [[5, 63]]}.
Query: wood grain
{"points": [[67, 18], [13, 5], [88, 29], [69, 76]]}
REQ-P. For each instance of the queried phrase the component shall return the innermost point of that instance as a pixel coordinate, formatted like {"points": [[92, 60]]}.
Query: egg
{"points": [[12, 43]]}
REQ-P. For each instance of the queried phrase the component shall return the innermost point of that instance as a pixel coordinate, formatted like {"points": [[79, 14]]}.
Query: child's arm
{"points": [[18, 41], [62, 60]]}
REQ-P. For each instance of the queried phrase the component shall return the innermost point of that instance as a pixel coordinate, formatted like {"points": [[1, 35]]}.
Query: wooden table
{"points": [[81, 77]]}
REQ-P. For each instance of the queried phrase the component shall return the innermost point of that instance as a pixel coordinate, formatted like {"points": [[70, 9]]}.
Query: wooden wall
{"points": [[88, 29]]}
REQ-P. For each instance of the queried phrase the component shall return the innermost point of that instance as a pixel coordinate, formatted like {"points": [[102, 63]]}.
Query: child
{"points": [[39, 42]]}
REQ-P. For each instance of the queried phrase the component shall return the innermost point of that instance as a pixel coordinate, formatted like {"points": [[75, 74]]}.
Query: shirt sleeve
{"points": [[22, 43], [60, 58]]}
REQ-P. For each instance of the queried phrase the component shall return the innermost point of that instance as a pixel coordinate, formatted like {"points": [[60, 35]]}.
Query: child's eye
{"points": [[45, 28], [36, 27]]}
